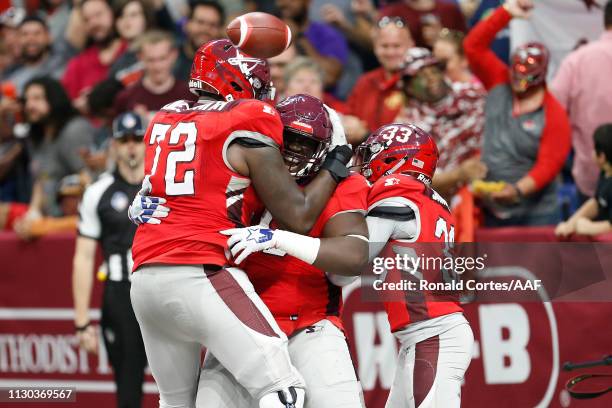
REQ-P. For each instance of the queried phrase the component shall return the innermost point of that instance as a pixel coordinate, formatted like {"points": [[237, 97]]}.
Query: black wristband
{"points": [[336, 161], [83, 327]]}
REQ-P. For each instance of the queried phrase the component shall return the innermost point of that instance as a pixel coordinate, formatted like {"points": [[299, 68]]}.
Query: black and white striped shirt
{"points": [[103, 217]]}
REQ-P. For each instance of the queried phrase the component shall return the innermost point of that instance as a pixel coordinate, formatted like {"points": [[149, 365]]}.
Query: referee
{"points": [[103, 219]]}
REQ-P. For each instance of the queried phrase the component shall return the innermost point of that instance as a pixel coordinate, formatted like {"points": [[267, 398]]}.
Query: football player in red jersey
{"points": [[298, 292], [436, 339], [300, 295], [212, 161]]}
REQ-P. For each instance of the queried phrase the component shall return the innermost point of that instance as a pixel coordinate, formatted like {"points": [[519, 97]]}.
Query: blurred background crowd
{"points": [[69, 67]]}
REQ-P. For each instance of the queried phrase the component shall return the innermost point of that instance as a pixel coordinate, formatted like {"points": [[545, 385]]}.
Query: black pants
{"points": [[124, 344]]}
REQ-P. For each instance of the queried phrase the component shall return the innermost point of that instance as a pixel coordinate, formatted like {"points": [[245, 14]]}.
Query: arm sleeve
{"points": [[555, 144], [390, 219], [483, 61], [89, 223], [380, 231]]}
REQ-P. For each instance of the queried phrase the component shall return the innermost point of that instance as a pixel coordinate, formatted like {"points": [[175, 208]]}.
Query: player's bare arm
{"points": [[342, 250], [344, 246], [294, 208]]}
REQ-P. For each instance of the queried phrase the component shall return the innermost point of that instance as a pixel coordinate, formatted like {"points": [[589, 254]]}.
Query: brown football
{"points": [[260, 35]]}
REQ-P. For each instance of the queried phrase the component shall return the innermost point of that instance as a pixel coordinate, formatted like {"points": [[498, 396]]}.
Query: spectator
{"points": [[319, 41], [595, 215], [132, 19], [304, 76], [375, 99], [527, 132], [414, 12], [92, 65], [69, 194], [56, 135], [158, 85], [454, 117], [204, 23], [448, 49], [38, 57], [588, 100], [278, 66]]}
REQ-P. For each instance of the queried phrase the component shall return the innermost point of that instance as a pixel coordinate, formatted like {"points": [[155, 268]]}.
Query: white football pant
{"points": [[181, 309]]}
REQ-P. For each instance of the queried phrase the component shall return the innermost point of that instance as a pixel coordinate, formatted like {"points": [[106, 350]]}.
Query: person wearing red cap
{"points": [[527, 131]]}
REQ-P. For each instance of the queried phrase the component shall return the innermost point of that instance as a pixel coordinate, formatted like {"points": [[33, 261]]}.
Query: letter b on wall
{"points": [[504, 335]]}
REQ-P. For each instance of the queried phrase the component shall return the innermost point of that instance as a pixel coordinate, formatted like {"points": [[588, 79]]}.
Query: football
{"points": [[260, 35]]}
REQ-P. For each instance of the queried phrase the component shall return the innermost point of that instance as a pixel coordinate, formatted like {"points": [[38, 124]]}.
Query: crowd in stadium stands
{"points": [[69, 67]]}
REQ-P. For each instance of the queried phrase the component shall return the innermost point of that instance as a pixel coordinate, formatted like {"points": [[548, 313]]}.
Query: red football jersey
{"points": [[435, 233], [186, 164], [299, 294]]}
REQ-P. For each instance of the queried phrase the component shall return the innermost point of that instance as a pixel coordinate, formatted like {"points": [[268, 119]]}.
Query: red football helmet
{"points": [[221, 68], [398, 148], [307, 134], [528, 67]]}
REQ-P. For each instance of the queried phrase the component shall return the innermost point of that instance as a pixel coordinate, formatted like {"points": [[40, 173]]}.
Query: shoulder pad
{"points": [[253, 105], [393, 213]]}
